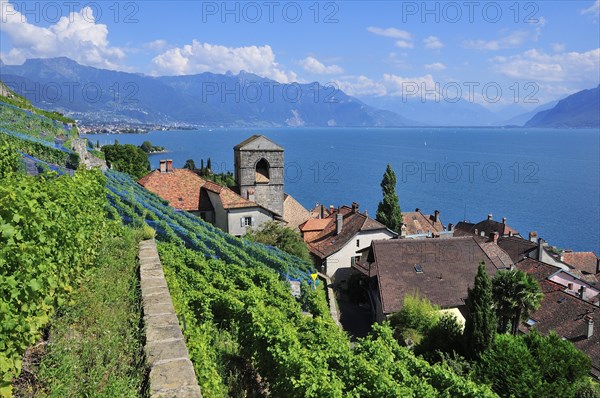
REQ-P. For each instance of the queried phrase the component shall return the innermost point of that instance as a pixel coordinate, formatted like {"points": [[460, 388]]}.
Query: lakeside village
{"points": [[373, 268]]}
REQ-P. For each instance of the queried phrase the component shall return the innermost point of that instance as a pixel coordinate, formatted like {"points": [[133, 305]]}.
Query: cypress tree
{"points": [[480, 325], [388, 210]]}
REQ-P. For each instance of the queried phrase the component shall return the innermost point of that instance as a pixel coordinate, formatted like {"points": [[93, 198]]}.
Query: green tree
{"points": [[528, 299], [146, 146], [480, 325], [189, 164], [127, 159], [274, 234], [503, 292], [209, 165], [415, 319], [443, 338], [516, 294], [509, 368], [388, 210]]}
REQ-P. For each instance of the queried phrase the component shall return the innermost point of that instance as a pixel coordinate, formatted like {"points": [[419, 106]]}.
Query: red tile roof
{"points": [[582, 261], [294, 213], [415, 222], [180, 187], [563, 312], [327, 242], [184, 191], [487, 226]]}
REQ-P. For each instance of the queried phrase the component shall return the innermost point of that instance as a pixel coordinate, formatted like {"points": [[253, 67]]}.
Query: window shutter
{"points": [[252, 221], [242, 222]]}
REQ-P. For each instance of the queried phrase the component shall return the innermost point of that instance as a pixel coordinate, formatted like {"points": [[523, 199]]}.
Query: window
{"points": [[418, 269], [356, 259], [262, 172], [247, 222], [357, 242], [531, 322]]}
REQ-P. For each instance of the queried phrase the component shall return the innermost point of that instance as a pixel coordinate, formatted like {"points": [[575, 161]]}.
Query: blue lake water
{"points": [[545, 180]]}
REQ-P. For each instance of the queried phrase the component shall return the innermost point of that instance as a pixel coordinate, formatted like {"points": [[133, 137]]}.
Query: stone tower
{"points": [[259, 175]]}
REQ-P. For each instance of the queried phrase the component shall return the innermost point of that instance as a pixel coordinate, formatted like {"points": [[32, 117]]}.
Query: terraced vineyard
{"points": [[132, 202], [44, 139]]}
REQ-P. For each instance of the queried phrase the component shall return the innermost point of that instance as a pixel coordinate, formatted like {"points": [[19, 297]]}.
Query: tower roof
{"points": [[258, 143]]}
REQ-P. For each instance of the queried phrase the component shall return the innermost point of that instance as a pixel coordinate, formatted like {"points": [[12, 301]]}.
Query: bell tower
{"points": [[259, 172]]}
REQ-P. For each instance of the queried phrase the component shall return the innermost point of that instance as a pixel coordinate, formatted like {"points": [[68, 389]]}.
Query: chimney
{"points": [[322, 215], [417, 210], [339, 222], [490, 216], [509, 233], [504, 220], [540, 249], [436, 216], [331, 209], [582, 292], [354, 207], [169, 165], [533, 236], [163, 166], [589, 323], [494, 237], [570, 285], [598, 265], [366, 213], [450, 227]]}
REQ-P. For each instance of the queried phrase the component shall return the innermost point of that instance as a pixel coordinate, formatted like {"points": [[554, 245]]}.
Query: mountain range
{"points": [[247, 100]]}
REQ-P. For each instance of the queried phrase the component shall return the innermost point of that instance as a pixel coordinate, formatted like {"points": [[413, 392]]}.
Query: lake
{"points": [[544, 180]]}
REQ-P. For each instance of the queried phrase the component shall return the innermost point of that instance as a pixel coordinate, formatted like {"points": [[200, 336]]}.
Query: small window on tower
{"points": [[357, 242]]}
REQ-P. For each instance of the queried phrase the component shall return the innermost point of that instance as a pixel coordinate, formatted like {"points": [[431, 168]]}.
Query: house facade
{"points": [[335, 242]]}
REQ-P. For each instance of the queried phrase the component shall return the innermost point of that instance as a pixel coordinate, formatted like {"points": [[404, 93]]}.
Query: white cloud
{"points": [[558, 47], [435, 66], [204, 57], [313, 65], [594, 9], [419, 87], [156, 45], [433, 42], [561, 67], [404, 44], [360, 86], [511, 40], [391, 32], [76, 36]]}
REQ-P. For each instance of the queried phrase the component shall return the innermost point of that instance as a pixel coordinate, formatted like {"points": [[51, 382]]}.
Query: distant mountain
{"points": [[521, 119], [579, 110], [436, 113], [92, 94]]}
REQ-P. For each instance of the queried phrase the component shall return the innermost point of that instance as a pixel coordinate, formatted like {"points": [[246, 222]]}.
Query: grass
{"points": [[95, 347]]}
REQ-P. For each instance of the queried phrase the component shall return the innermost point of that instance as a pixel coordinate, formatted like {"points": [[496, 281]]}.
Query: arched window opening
{"points": [[262, 172]]}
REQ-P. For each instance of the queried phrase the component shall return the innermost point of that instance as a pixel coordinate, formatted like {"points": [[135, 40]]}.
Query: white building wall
{"points": [[338, 265], [234, 217], [220, 212]]}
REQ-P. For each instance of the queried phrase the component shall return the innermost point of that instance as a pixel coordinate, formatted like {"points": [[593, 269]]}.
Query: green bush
{"points": [[50, 229]]}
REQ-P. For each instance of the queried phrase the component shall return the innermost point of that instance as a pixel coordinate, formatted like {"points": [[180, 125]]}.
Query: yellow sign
{"points": [[314, 276]]}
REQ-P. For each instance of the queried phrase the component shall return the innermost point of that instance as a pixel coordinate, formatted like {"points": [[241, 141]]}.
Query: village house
{"points": [[441, 270], [335, 239], [485, 228], [415, 224], [258, 196], [566, 308]]}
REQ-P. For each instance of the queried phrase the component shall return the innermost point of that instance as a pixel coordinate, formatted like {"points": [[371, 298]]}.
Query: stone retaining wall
{"points": [[333, 309], [171, 371]]}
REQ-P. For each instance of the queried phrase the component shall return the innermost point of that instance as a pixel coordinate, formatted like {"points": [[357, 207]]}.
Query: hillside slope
{"points": [[579, 110], [204, 99]]}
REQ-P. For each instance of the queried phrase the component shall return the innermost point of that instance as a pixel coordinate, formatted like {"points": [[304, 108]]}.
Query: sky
{"points": [[495, 53]]}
